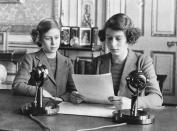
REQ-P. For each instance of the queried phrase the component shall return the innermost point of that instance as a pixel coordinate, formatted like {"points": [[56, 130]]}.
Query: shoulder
{"points": [[31, 56], [64, 59], [144, 59], [141, 60], [139, 57], [28, 56]]}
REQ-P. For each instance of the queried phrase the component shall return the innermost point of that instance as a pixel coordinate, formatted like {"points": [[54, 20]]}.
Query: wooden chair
{"points": [[82, 65], [161, 79]]}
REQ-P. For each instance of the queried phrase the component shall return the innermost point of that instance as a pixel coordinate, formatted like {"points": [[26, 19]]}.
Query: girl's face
{"points": [[51, 40], [116, 41]]}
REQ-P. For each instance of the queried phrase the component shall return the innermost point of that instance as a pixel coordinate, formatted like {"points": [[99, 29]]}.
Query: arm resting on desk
{"points": [[152, 100]]}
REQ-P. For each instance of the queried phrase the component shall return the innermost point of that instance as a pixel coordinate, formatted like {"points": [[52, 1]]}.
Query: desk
{"points": [[165, 119]]}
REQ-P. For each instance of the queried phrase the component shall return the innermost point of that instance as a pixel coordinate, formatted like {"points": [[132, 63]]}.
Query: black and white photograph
{"points": [[3, 41], [1, 38], [85, 37], [65, 36], [94, 36], [86, 13], [74, 37], [88, 65]]}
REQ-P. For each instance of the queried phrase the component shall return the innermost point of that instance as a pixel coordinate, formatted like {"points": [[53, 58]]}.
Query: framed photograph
{"points": [[65, 36], [85, 37], [3, 40], [74, 36], [94, 37], [86, 13]]}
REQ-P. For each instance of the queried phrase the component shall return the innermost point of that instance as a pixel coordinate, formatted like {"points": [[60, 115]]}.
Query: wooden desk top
{"points": [[165, 119]]}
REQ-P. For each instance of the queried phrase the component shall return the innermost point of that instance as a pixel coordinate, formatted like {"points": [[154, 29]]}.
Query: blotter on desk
{"points": [[85, 109]]}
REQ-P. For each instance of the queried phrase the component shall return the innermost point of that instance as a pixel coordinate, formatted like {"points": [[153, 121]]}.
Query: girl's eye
{"points": [[56, 37], [109, 38], [47, 38], [117, 38]]}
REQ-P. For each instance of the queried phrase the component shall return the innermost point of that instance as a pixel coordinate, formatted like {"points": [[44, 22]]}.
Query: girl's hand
{"points": [[120, 102], [76, 98], [48, 95]]}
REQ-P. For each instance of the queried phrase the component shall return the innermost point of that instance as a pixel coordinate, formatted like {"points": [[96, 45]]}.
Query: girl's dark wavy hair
{"points": [[121, 22], [44, 26]]}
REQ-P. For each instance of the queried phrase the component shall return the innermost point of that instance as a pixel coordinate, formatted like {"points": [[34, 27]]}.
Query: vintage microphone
{"points": [[39, 74], [136, 82]]}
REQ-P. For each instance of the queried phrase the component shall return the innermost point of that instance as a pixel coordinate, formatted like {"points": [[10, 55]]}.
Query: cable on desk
{"points": [[39, 122], [101, 127]]}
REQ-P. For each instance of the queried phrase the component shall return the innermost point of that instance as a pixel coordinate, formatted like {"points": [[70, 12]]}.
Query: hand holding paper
{"points": [[94, 88], [76, 98]]}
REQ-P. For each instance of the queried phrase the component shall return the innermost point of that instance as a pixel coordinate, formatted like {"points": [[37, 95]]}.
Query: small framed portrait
{"points": [[86, 13], [74, 36], [65, 36], [85, 37], [94, 36], [3, 40]]}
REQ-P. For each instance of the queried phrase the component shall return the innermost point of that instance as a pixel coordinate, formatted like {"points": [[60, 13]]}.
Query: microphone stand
{"points": [[36, 107], [39, 98], [135, 116]]}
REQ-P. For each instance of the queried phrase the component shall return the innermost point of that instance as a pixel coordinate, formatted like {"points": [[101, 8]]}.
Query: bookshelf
{"points": [[93, 49]]}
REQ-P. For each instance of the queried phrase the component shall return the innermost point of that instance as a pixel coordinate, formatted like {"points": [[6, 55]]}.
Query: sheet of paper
{"points": [[86, 109], [95, 88]]}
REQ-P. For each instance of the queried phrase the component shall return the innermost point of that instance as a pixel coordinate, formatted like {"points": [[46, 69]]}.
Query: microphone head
{"points": [[39, 73], [137, 80]]}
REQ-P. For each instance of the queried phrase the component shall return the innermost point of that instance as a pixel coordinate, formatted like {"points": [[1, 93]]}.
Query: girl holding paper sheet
{"points": [[118, 34]]}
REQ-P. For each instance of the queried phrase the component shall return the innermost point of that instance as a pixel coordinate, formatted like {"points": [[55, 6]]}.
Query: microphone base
{"points": [[37, 111], [142, 118]]}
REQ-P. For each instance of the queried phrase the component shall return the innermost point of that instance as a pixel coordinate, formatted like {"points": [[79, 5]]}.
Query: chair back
{"points": [[82, 65]]}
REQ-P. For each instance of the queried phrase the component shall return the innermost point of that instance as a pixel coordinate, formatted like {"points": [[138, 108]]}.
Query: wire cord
{"points": [[101, 127], [46, 128]]}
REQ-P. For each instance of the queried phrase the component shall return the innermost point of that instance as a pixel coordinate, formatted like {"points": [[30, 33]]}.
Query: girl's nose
{"points": [[53, 41], [113, 42]]}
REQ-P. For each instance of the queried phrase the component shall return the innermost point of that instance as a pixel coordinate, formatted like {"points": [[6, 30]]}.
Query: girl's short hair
{"points": [[121, 22], [44, 26]]}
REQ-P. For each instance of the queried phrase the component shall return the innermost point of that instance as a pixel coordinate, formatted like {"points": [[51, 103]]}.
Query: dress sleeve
{"points": [[20, 84], [153, 96], [70, 83]]}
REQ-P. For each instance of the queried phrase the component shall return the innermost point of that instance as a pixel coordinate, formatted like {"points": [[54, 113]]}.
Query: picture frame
{"points": [[3, 41], [94, 37], [65, 36], [74, 36], [85, 37], [86, 13]]}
